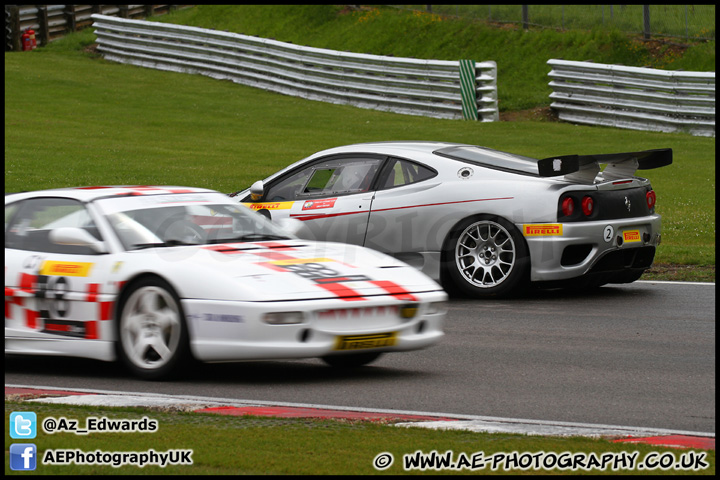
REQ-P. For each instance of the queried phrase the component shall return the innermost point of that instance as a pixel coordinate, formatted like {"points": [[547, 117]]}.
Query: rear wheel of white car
{"points": [[152, 335], [351, 360], [485, 256]]}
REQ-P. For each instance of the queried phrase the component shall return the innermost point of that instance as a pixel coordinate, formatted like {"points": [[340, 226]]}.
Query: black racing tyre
{"points": [[352, 360], [486, 256], [153, 340]]}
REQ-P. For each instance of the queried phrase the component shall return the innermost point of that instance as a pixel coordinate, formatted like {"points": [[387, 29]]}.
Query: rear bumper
{"points": [[577, 249]]}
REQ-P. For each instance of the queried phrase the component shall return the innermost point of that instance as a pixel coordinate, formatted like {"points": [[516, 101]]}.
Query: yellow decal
{"points": [[67, 269], [631, 236], [358, 342], [296, 261], [543, 230], [270, 205]]}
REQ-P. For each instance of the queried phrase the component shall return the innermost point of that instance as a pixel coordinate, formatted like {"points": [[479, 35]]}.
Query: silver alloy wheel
{"points": [[485, 254], [150, 327]]}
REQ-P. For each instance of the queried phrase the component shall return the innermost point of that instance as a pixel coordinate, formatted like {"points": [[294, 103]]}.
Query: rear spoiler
{"points": [[586, 168]]}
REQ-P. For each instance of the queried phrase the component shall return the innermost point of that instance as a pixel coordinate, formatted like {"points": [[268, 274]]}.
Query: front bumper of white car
{"points": [[231, 331]]}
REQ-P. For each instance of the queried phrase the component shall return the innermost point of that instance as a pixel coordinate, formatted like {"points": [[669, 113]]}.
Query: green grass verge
{"points": [[225, 445]]}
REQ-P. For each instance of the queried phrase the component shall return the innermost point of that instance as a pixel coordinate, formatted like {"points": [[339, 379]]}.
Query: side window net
{"points": [[335, 177]]}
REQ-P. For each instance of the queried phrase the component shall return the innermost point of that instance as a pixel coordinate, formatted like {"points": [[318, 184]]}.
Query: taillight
{"points": [[650, 197], [587, 206], [568, 206]]}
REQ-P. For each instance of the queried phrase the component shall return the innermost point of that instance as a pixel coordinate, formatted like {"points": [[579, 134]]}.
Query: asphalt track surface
{"points": [[640, 355]]}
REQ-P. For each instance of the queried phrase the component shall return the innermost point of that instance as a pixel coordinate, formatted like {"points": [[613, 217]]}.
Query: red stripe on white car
{"points": [[275, 245], [342, 291], [395, 290]]}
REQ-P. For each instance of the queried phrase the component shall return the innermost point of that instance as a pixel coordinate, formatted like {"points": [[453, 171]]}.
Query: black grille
{"points": [[629, 258], [574, 254]]}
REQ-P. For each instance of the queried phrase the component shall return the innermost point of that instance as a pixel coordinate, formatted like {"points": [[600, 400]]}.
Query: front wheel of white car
{"points": [[485, 256], [152, 335]]}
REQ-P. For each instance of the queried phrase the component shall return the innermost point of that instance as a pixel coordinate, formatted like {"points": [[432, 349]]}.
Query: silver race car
{"points": [[157, 275], [483, 222]]}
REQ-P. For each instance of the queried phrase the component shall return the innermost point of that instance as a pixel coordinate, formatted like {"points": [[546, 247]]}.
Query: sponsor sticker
{"points": [[543, 230], [67, 269], [359, 342], [318, 204], [359, 313], [270, 205], [631, 236], [217, 317], [295, 261]]}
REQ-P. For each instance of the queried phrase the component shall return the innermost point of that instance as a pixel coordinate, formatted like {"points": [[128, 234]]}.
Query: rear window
{"points": [[488, 157]]}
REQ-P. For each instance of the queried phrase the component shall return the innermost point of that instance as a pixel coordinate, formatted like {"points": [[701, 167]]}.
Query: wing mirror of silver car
{"points": [[256, 190], [77, 237]]}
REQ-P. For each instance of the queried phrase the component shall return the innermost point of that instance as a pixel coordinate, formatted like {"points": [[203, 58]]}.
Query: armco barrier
{"points": [[434, 88], [632, 97]]}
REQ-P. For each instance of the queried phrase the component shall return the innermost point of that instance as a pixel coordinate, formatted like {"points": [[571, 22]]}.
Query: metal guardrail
{"points": [[634, 98], [434, 88]]}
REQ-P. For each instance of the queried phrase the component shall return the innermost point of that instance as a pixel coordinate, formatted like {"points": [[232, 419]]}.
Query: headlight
{"points": [[284, 318], [408, 311]]}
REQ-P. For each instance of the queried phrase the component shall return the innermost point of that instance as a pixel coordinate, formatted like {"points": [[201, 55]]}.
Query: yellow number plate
{"points": [[359, 342]]}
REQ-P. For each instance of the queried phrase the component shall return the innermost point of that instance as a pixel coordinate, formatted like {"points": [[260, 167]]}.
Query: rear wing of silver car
{"points": [[587, 168], [575, 168]]}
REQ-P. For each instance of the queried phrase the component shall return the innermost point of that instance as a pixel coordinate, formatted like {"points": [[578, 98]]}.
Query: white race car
{"points": [[484, 223], [158, 275]]}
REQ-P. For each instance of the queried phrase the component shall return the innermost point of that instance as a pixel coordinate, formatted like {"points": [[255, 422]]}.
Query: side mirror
{"points": [[76, 236], [256, 190]]}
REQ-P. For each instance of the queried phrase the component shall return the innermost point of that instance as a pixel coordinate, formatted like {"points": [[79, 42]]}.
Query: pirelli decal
{"points": [[631, 236], [270, 205], [66, 269], [543, 230], [359, 342]]}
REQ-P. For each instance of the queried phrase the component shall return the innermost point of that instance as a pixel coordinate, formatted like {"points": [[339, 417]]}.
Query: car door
{"points": [[331, 195], [52, 291], [405, 214]]}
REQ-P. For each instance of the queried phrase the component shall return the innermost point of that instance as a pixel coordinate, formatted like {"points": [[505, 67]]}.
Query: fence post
{"points": [[12, 17], [646, 22], [70, 18], [525, 17], [468, 91], [44, 33]]}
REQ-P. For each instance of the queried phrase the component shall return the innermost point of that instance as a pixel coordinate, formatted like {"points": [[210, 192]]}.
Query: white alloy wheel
{"points": [[151, 330], [485, 254], [487, 257]]}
